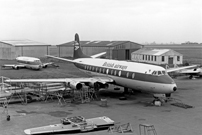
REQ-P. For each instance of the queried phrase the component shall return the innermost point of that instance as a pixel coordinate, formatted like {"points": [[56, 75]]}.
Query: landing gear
{"points": [[159, 99], [125, 91], [124, 94], [191, 77]]}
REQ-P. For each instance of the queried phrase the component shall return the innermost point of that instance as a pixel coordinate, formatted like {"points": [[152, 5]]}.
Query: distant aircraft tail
{"points": [[77, 49]]}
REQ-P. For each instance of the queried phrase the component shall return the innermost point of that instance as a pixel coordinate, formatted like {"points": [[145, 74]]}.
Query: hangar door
{"points": [[118, 54], [127, 55]]}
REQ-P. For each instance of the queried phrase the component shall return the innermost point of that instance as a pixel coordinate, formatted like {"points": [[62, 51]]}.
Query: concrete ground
{"points": [[167, 119]]}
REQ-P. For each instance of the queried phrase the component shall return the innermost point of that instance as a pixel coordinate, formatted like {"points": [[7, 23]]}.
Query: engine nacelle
{"points": [[75, 85], [15, 67], [44, 66], [90, 84], [97, 85], [101, 85]]}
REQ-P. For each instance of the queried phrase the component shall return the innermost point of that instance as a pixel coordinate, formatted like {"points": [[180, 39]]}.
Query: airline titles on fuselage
{"points": [[113, 65]]}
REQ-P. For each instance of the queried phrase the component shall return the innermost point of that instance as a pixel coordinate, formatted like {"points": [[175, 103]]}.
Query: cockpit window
{"points": [[37, 61], [159, 72], [154, 73], [163, 72]]}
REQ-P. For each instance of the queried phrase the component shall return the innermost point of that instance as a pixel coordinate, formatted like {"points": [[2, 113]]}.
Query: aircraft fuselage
{"points": [[137, 76], [30, 62]]}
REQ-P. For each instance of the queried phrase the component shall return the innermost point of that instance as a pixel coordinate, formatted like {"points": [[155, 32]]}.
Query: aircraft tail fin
{"points": [[77, 49]]}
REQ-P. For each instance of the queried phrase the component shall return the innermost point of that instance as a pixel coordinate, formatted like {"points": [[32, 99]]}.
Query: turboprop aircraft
{"points": [[137, 76], [192, 72], [28, 62]]}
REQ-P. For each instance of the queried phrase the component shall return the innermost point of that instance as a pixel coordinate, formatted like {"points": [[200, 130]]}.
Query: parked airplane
{"points": [[192, 72], [137, 76], [28, 62]]}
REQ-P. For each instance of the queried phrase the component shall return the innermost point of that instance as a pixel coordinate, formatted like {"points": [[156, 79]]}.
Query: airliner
{"points": [[28, 62], [130, 75]]}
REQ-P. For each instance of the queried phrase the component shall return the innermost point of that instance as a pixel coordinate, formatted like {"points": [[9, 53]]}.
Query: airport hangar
{"points": [[10, 49], [119, 50]]}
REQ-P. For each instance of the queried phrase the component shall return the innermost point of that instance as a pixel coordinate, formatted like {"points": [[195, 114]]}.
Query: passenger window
{"points": [[100, 70], [127, 75], [111, 72], [89, 67], [103, 70], [107, 71], [84, 67], [115, 72], [92, 68], [119, 73], [133, 75], [96, 69]]}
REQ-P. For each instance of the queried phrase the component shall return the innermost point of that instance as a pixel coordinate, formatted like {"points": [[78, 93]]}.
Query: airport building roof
{"points": [[24, 42], [156, 52], [98, 43]]}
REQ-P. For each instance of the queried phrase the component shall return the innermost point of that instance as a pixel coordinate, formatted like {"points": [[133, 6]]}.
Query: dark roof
{"points": [[97, 43]]}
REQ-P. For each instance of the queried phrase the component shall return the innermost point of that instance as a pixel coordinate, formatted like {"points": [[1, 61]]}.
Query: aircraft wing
{"points": [[72, 82], [98, 55], [81, 80], [13, 65], [46, 64], [190, 71], [59, 58], [180, 68]]}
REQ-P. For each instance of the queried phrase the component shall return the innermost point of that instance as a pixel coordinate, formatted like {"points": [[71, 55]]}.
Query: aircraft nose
{"points": [[174, 88]]}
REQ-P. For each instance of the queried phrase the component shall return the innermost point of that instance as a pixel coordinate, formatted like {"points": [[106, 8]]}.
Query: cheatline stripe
{"points": [[126, 74]]}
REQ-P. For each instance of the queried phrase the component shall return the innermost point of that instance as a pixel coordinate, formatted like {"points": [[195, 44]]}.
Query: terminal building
{"points": [[189, 51], [10, 49], [119, 50], [157, 56]]}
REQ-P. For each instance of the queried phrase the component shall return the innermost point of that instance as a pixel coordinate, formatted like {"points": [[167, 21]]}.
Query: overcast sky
{"points": [[56, 21]]}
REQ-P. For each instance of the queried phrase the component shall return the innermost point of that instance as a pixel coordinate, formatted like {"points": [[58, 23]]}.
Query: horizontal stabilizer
{"points": [[59, 58], [98, 55]]}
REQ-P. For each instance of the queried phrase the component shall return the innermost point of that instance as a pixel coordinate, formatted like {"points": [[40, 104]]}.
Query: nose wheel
{"points": [[159, 99]]}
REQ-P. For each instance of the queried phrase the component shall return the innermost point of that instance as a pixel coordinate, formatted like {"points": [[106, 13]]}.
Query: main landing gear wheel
{"points": [[125, 91], [191, 77]]}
